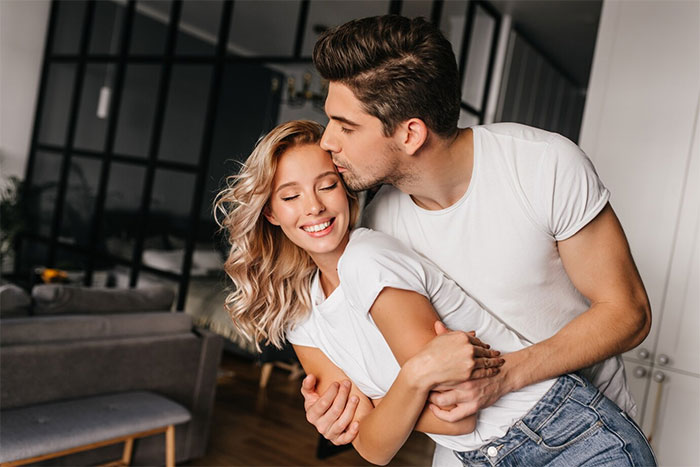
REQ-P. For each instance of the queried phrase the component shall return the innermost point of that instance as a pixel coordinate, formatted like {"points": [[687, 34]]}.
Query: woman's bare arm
{"points": [[425, 362]]}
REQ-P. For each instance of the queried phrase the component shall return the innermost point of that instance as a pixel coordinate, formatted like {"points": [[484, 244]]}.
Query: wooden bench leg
{"points": [[170, 446], [128, 449], [265, 373]]}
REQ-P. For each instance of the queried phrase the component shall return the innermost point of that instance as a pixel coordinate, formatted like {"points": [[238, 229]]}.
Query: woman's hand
{"points": [[453, 357]]}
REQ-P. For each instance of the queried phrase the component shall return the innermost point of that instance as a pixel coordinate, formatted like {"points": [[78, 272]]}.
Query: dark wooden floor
{"points": [[252, 428]]}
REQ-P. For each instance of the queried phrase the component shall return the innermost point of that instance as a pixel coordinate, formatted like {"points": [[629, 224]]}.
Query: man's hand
{"points": [[332, 413], [452, 402], [455, 356]]}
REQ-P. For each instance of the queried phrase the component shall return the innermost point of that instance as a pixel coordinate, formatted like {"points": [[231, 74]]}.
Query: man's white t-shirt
{"points": [[341, 326], [529, 189]]}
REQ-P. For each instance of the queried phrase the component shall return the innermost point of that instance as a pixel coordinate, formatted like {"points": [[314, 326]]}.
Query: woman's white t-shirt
{"points": [[341, 326]]}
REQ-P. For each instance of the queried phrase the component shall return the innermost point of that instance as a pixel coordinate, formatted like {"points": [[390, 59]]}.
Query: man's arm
{"points": [[600, 265]]}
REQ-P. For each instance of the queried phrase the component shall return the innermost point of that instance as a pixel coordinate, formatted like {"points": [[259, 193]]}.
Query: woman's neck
{"points": [[328, 266]]}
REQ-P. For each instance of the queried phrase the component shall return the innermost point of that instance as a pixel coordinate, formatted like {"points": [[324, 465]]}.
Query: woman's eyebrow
{"points": [[324, 174]]}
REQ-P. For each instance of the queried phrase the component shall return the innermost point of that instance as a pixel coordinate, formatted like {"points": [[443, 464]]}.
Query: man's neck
{"points": [[443, 171]]}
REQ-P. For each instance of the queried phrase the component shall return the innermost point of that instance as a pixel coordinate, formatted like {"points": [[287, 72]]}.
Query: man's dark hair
{"points": [[399, 68]]}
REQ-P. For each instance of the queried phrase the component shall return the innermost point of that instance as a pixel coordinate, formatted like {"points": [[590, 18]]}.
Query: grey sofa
{"points": [[68, 356]]}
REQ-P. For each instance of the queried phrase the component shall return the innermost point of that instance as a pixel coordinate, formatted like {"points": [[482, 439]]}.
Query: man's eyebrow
{"points": [[324, 174], [343, 120]]}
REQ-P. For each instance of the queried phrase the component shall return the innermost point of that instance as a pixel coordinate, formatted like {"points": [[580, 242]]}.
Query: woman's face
{"points": [[308, 201]]}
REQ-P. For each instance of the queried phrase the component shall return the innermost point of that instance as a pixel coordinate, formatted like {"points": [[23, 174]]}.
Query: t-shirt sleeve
{"points": [[299, 334], [374, 262], [568, 193]]}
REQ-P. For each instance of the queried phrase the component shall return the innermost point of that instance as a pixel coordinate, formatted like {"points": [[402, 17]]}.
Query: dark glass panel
{"points": [[417, 8], [106, 28], [168, 221], [69, 27], [120, 219], [330, 13], [185, 113], [249, 103], [253, 21], [57, 101], [42, 192], [34, 254], [138, 105], [452, 22], [79, 205], [149, 32], [198, 31], [474, 81], [72, 262], [92, 120]]}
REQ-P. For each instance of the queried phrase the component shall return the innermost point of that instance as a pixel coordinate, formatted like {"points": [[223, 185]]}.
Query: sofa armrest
{"points": [[205, 391]]}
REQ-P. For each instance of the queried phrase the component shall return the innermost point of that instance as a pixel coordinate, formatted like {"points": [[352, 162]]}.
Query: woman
{"points": [[355, 303]]}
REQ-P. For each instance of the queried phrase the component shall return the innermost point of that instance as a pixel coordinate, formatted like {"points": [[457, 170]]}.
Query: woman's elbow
{"points": [[371, 455]]}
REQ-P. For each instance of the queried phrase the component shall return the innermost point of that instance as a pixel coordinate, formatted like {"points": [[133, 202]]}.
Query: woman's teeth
{"points": [[317, 227]]}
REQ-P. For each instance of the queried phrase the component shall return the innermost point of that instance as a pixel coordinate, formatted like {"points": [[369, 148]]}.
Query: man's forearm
{"points": [[600, 333]]}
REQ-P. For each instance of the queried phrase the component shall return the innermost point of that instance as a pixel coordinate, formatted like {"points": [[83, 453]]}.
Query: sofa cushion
{"points": [[14, 301], [40, 329], [56, 298]]}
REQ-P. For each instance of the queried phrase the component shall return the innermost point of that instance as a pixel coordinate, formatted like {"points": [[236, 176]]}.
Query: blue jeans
{"points": [[572, 425]]}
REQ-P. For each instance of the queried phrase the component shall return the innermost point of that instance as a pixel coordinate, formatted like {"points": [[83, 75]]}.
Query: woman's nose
{"points": [[315, 206]]}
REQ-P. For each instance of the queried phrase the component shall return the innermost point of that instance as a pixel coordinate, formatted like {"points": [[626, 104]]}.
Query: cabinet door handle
{"points": [[663, 359], [643, 354], [640, 372], [659, 377]]}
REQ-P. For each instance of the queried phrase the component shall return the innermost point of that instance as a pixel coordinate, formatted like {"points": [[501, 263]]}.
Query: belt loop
{"points": [[530, 434], [578, 379]]}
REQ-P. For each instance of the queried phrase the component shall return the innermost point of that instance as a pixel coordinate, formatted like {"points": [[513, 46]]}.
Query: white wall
{"points": [[22, 33]]}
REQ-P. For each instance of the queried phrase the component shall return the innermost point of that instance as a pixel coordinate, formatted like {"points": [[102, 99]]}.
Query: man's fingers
{"points": [[475, 341], [315, 410], [337, 408], [308, 386], [487, 363], [341, 428], [347, 436], [483, 373], [485, 353]]}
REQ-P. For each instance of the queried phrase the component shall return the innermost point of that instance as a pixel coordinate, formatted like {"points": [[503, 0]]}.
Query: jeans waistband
{"points": [[568, 386]]}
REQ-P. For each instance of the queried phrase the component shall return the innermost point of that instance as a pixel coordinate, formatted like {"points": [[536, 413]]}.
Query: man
{"points": [[515, 215]]}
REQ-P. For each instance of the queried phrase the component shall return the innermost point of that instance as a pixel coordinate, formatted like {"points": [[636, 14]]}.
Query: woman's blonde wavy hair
{"points": [[271, 275]]}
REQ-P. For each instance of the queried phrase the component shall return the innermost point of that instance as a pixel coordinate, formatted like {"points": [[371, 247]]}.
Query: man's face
{"points": [[365, 157]]}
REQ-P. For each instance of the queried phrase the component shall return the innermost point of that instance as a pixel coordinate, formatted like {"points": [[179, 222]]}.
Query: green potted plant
{"points": [[12, 218]]}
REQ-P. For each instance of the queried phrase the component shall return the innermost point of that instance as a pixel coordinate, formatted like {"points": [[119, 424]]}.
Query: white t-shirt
{"points": [[529, 189], [342, 327]]}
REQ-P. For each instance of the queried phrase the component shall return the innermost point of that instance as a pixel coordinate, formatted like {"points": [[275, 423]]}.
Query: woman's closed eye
{"points": [[289, 198], [329, 187]]}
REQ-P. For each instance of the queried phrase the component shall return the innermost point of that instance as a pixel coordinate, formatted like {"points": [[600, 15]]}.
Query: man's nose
{"points": [[328, 141]]}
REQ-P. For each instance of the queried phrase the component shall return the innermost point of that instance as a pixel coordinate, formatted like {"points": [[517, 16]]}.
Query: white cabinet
{"points": [[674, 431], [641, 128]]}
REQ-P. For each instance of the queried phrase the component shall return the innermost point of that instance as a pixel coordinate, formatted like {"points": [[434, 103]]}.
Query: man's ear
{"points": [[414, 134], [267, 212]]}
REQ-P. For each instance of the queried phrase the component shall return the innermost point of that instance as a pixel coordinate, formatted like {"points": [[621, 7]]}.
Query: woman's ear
{"points": [[267, 212], [415, 134]]}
